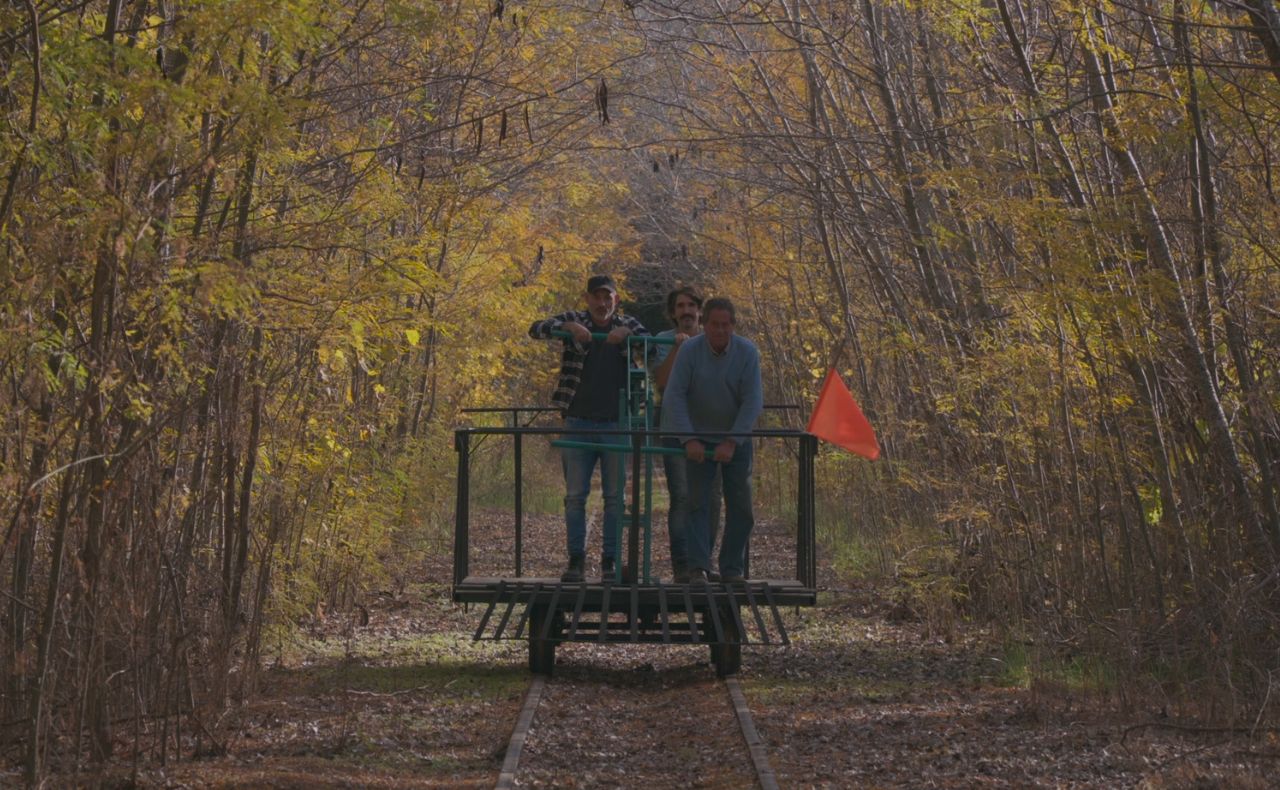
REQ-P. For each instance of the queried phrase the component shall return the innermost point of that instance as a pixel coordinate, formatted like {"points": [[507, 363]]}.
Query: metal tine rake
{"points": [[506, 615], [528, 607], [493, 601], [759, 618]]}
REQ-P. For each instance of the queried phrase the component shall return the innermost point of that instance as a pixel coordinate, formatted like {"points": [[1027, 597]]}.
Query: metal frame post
{"points": [[648, 519], [462, 502], [806, 537], [622, 486], [648, 478], [519, 483], [633, 544]]}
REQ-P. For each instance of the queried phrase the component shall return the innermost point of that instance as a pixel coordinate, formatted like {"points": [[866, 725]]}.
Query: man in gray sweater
{"points": [[684, 308], [715, 390]]}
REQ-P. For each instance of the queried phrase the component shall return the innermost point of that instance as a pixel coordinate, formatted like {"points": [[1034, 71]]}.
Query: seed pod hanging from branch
{"points": [[602, 101]]}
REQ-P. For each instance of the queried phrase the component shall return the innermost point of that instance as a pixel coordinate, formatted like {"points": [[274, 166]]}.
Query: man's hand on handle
{"points": [[696, 451], [580, 333]]}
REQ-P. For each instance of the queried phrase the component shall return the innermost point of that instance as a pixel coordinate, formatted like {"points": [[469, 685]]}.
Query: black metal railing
{"points": [[515, 412], [641, 441]]}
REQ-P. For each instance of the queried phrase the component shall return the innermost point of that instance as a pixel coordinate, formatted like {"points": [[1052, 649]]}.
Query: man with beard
{"points": [[684, 308]]}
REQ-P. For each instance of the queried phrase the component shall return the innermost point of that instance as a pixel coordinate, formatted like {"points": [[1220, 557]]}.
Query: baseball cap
{"points": [[601, 281]]}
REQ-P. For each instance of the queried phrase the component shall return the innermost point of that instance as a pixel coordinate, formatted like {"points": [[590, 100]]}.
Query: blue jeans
{"points": [[579, 465], [739, 519], [678, 510]]}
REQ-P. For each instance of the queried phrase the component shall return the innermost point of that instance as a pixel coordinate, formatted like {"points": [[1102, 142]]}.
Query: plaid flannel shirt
{"points": [[575, 353]]}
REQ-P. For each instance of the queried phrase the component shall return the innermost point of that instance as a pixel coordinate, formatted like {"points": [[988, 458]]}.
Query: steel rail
{"points": [[507, 776], [765, 777]]}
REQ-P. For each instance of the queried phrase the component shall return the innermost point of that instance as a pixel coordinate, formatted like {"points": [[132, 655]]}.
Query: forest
{"points": [[256, 258]]}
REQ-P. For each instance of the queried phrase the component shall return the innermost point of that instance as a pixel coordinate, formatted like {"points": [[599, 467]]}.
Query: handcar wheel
{"points": [[542, 652], [727, 657]]}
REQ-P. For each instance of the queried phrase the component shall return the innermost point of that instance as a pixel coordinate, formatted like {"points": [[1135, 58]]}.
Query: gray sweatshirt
{"points": [[714, 392]]}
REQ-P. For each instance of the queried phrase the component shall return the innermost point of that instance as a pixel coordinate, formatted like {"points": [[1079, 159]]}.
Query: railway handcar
{"points": [[633, 605]]}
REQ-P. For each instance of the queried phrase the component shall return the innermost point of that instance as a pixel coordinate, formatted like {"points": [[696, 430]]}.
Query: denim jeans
{"points": [[738, 516], [678, 510], [579, 465]]}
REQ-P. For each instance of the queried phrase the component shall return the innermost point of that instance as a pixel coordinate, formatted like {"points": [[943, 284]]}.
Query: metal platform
{"points": [[730, 614], [548, 612]]}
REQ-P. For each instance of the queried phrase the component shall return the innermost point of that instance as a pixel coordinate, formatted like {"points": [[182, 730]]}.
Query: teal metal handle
{"points": [[649, 339], [616, 448]]}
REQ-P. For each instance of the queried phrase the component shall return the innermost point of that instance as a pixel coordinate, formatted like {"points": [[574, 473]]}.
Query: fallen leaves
{"points": [[408, 700]]}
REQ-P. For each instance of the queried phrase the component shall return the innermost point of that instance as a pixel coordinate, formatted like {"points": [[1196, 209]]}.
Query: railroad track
{"points": [[754, 752]]}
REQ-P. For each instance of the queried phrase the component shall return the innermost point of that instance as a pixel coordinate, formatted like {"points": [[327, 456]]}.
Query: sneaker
{"points": [[697, 575], [733, 578], [607, 568], [573, 573], [712, 576]]}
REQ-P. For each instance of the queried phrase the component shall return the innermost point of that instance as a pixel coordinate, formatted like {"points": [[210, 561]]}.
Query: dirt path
{"points": [[408, 700]]}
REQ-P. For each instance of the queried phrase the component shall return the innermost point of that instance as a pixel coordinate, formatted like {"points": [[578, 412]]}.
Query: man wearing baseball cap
{"points": [[592, 371]]}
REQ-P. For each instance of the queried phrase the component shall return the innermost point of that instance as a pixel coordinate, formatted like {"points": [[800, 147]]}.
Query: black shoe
{"points": [[697, 576], [712, 576], [607, 568], [733, 578], [679, 570], [681, 576], [573, 573]]}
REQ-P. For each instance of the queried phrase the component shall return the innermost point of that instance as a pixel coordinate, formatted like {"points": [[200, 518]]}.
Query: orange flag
{"points": [[837, 419]]}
